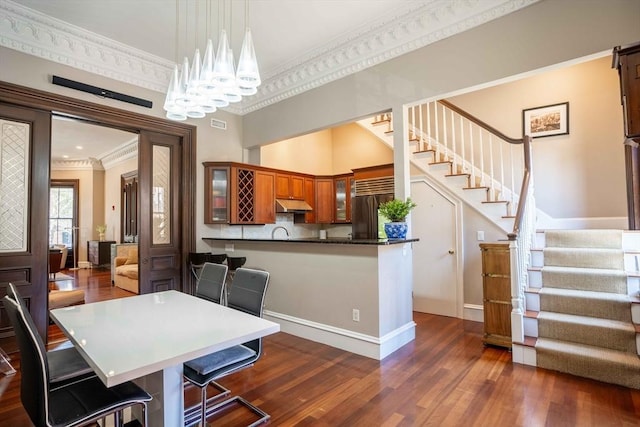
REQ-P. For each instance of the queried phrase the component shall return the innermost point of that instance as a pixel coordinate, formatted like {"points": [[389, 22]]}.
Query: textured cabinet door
{"points": [[496, 288], [99, 253], [289, 187]]}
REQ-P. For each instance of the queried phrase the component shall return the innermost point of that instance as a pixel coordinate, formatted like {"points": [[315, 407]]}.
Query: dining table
{"points": [[147, 338]]}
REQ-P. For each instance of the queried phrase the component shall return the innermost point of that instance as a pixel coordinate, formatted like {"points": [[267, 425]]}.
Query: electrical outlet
{"points": [[356, 315]]}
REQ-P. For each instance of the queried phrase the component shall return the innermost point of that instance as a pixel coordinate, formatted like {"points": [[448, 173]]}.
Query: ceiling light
{"points": [[211, 81], [79, 147]]}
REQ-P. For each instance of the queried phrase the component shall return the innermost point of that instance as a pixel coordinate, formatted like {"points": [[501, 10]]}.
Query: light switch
{"points": [[480, 236]]}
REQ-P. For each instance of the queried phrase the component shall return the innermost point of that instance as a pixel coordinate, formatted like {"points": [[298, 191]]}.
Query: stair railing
{"points": [[470, 144]]}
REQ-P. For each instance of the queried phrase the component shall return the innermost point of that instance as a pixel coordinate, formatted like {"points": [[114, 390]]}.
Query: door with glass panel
{"points": [[63, 217], [160, 214], [24, 195]]}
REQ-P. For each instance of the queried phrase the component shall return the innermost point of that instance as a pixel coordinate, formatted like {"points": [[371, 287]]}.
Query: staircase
{"points": [[575, 293], [583, 313]]}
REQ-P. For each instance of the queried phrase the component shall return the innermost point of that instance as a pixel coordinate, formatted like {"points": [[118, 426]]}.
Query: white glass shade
{"points": [[247, 91], [193, 86], [206, 74], [183, 98], [223, 69], [248, 74], [172, 90]]}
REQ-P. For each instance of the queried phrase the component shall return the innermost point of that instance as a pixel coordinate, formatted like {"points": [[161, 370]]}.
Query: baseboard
{"points": [[354, 342], [84, 264], [473, 312]]}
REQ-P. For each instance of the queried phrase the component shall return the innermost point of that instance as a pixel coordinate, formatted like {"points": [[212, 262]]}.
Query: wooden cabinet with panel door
{"points": [[325, 197], [496, 288], [236, 193], [289, 186]]}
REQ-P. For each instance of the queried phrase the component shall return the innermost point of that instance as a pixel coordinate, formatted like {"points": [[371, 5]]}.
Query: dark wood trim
{"points": [[125, 120], [75, 183]]}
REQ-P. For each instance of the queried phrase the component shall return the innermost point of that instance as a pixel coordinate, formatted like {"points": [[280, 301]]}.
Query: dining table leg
{"points": [[166, 409]]}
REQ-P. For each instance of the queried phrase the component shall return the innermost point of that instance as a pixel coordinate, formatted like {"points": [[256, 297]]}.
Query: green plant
{"points": [[101, 228], [396, 210]]}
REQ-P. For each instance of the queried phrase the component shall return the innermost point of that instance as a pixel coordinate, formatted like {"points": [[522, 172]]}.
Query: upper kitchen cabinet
{"points": [[325, 197], [250, 194], [216, 195], [290, 186], [342, 185]]}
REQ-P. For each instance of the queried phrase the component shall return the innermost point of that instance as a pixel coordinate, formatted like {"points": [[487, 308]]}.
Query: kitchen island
{"points": [[350, 294]]}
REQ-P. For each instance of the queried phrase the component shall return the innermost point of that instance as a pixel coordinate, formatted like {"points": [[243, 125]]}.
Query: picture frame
{"points": [[548, 120]]}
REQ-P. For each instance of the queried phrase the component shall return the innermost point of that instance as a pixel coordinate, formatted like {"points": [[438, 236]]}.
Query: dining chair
{"points": [[247, 294], [64, 364], [210, 285], [74, 404]]}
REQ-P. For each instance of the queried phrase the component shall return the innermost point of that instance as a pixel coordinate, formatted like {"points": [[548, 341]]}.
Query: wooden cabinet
{"points": [[496, 288], [99, 252], [264, 194], [289, 186], [216, 195], [344, 188], [310, 198], [627, 60], [238, 194], [324, 200]]}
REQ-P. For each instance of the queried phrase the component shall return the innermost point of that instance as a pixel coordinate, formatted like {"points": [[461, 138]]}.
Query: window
{"points": [[62, 213]]}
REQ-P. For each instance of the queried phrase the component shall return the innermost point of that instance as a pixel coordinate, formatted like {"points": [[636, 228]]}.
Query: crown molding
{"points": [[120, 154], [34, 33], [90, 164]]}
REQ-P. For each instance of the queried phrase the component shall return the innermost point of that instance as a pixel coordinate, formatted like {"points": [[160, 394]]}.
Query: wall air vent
{"points": [[372, 186], [218, 124]]}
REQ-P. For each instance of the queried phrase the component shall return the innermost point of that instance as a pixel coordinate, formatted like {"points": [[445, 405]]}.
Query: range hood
{"points": [[294, 206]]}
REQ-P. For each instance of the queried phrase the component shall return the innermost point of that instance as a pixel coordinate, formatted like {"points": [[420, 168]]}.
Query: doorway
{"points": [[166, 262], [437, 282]]}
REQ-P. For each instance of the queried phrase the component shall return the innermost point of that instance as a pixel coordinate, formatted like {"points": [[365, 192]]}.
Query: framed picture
{"points": [[549, 120]]}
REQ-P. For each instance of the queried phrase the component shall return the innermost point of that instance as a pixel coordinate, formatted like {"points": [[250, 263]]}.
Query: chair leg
{"points": [[264, 417]]}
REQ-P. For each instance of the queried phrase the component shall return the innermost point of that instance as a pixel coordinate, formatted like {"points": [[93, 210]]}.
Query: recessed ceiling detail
{"points": [[34, 33]]}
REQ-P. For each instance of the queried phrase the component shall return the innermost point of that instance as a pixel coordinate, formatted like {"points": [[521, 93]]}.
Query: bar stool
{"points": [[217, 258], [196, 261], [233, 263]]}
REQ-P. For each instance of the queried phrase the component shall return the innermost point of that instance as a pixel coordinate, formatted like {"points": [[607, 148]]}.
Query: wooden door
{"points": [[160, 214], [437, 288], [25, 136]]}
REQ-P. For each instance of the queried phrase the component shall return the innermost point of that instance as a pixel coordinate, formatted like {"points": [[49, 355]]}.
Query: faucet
{"points": [[273, 232]]}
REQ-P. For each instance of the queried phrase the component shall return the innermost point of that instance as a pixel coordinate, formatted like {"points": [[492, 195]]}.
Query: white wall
{"points": [[589, 162]]}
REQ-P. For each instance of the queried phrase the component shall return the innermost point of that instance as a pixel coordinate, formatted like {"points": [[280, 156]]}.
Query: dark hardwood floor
{"points": [[444, 378]]}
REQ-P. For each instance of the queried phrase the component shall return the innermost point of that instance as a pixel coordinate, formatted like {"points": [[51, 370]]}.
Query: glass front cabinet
{"points": [[217, 194]]}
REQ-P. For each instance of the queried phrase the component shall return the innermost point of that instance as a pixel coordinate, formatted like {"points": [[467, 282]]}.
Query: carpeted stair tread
{"points": [[590, 362], [584, 258], [592, 331], [588, 279], [604, 305], [606, 239]]}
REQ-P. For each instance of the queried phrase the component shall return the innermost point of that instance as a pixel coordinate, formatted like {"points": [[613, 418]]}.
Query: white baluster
{"points": [[513, 181], [491, 174], [429, 136], [502, 192], [473, 160], [453, 144], [482, 171], [464, 160], [445, 134], [421, 141], [436, 157]]}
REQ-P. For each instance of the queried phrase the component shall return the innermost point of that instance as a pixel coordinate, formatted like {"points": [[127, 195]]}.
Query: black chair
{"points": [[247, 295], [64, 364], [210, 284], [74, 404]]}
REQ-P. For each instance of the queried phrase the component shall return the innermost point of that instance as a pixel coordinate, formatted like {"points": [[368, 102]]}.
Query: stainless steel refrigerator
{"points": [[365, 218]]}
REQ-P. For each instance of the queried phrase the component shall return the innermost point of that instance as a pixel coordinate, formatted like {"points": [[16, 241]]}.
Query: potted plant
{"points": [[396, 212], [101, 229]]}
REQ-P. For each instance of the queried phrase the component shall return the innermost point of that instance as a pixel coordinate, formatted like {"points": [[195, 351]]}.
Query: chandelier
{"points": [[212, 81]]}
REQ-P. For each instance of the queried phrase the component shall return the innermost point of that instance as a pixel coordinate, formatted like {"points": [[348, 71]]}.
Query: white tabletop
{"points": [[128, 338]]}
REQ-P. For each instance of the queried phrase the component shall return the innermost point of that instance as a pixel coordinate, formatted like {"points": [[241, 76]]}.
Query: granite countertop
{"points": [[328, 240]]}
